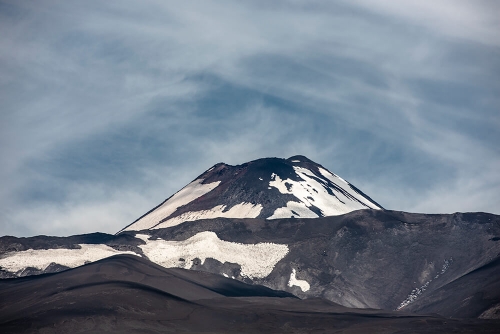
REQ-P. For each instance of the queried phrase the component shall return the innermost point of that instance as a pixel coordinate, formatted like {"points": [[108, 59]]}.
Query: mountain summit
{"points": [[269, 188]]}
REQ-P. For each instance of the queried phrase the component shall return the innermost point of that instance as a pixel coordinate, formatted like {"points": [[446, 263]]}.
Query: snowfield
{"points": [[187, 194], [42, 258], [242, 210], [313, 191], [293, 209], [335, 180], [256, 261]]}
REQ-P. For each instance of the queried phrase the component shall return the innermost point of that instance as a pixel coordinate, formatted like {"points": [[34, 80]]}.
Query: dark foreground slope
{"points": [[476, 294], [125, 294], [370, 258], [380, 259]]}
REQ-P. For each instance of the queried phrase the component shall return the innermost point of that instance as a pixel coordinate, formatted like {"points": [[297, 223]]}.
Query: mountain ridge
{"points": [[126, 293], [287, 225], [366, 258]]}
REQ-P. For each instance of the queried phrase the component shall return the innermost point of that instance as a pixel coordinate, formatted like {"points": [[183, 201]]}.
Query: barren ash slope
{"points": [[129, 294], [292, 225], [270, 188]]}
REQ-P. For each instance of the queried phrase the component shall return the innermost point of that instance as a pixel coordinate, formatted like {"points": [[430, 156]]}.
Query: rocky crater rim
{"points": [[294, 158]]}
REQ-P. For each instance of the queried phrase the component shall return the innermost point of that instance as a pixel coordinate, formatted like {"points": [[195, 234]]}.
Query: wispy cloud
{"points": [[110, 107], [474, 21]]}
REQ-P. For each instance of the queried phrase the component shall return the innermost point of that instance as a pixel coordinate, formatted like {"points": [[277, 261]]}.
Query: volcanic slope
{"points": [[365, 259], [369, 258], [126, 293], [269, 188]]}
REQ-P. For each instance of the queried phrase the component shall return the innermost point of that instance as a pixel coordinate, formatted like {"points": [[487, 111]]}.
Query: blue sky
{"points": [[109, 107]]}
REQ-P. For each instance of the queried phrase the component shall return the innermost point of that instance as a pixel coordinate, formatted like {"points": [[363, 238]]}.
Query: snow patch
{"points": [[328, 175], [330, 195], [293, 209], [334, 178], [242, 210], [256, 260], [42, 258], [186, 195], [302, 284], [143, 237], [295, 160]]}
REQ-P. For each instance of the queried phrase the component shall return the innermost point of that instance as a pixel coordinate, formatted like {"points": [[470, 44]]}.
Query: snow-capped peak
{"points": [[269, 188]]}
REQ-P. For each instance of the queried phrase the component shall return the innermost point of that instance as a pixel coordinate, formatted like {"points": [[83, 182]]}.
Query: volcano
{"points": [[269, 188], [288, 235]]}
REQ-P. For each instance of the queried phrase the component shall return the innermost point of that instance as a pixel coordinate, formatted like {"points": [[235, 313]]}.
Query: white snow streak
{"points": [[256, 261], [415, 293], [293, 209], [329, 175], [42, 258], [335, 178], [314, 192], [302, 284], [187, 194], [242, 210], [143, 237]]}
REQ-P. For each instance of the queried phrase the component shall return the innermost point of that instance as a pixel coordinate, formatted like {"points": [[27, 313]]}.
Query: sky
{"points": [[110, 107]]}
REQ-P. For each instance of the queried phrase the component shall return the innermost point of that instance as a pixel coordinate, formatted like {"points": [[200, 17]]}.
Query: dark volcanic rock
{"points": [[367, 258], [267, 188], [15, 244], [126, 294], [476, 294], [285, 234]]}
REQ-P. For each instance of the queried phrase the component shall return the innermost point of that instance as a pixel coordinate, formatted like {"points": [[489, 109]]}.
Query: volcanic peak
{"points": [[269, 188]]}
